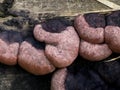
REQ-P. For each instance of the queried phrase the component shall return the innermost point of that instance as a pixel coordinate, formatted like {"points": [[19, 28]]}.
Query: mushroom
{"points": [[9, 46], [62, 45], [90, 27], [32, 57], [112, 38], [94, 52]]}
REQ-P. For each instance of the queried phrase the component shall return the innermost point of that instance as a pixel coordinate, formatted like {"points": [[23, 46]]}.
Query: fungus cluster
{"points": [[55, 44], [99, 38], [52, 44], [32, 57], [100, 35], [61, 47]]}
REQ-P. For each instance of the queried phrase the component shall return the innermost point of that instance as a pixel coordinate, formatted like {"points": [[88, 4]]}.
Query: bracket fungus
{"points": [[112, 31], [91, 30], [112, 38], [61, 47], [32, 57], [90, 27], [9, 47], [94, 52]]}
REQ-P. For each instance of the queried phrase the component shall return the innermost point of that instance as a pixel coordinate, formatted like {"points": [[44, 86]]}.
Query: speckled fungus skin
{"points": [[32, 57], [90, 27], [112, 38], [61, 47], [9, 47], [58, 79], [91, 30], [94, 52], [112, 31]]}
